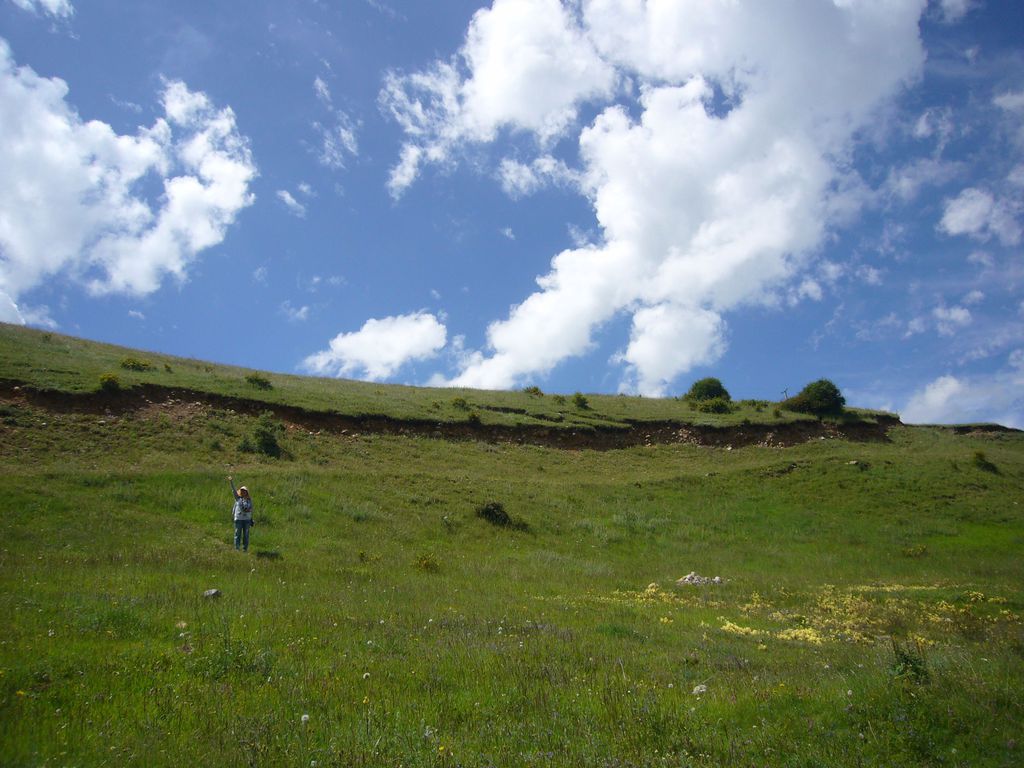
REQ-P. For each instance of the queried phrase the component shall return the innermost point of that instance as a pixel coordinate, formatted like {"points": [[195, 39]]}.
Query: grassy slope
{"points": [[52, 361], [412, 632]]}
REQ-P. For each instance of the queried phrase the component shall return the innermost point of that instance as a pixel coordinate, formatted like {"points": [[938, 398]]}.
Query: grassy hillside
{"points": [[52, 361], [869, 614]]}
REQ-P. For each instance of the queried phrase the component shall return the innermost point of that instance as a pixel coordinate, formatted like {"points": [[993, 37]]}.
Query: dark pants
{"points": [[242, 533]]}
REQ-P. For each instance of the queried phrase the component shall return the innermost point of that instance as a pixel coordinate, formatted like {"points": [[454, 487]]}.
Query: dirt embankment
{"points": [[152, 399]]}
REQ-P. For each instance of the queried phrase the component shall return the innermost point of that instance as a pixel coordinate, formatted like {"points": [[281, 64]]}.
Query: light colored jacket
{"points": [[243, 506]]}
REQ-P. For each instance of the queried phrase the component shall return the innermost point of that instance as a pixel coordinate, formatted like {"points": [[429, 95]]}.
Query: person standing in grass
{"points": [[242, 513]]}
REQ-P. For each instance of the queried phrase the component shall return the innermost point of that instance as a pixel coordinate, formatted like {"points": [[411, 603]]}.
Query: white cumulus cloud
{"points": [[979, 214], [381, 347], [58, 8], [907, 181], [713, 181], [526, 65], [322, 91], [949, 319], [293, 205], [952, 11], [668, 340], [520, 179], [995, 398], [338, 140], [73, 203], [293, 313]]}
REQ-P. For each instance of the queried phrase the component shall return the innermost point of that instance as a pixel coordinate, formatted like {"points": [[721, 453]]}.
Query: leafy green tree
{"points": [[707, 389], [821, 398]]}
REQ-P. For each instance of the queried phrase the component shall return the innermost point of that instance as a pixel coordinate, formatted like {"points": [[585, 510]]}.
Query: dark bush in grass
{"points": [[134, 364], [494, 513], [580, 401], [820, 398], [915, 551], [981, 461], [533, 392], [260, 382], [460, 403], [110, 383], [265, 437], [558, 399], [428, 563], [9, 415], [909, 663], [707, 389], [474, 419]]}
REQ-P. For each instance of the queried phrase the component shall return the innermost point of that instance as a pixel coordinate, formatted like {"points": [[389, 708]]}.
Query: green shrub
{"points": [[981, 461], [494, 513], [580, 401], [134, 364], [758, 405], [110, 383], [460, 403], [167, 368], [909, 663], [428, 563], [265, 437], [715, 405], [260, 382], [821, 398], [474, 419], [558, 400], [533, 392], [707, 389]]}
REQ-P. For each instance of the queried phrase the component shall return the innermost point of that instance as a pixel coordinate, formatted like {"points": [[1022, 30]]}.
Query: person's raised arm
{"points": [[233, 491]]}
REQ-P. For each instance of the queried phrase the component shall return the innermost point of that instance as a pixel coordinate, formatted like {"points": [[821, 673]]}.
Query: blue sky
{"points": [[594, 195]]}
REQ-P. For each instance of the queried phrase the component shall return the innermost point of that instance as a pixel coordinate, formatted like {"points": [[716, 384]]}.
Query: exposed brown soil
{"points": [[179, 404]]}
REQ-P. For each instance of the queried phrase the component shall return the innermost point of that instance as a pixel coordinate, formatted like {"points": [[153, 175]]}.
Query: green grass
{"points": [[870, 613]]}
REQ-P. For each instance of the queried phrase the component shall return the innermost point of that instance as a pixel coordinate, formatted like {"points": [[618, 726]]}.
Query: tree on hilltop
{"points": [[707, 389], [821, 398]]}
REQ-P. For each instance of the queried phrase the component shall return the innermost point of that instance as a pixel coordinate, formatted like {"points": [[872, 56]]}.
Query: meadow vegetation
{"points": [[422, 602]]}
